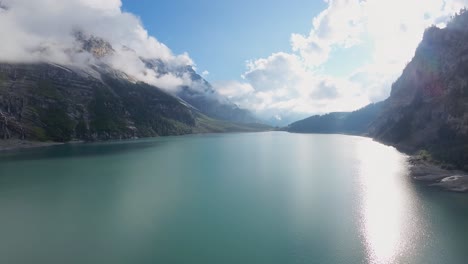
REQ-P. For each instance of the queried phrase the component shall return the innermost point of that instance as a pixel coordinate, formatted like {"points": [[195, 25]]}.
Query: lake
{"points": [[250, 198]]}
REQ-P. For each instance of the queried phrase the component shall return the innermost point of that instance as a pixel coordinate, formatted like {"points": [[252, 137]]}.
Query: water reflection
{"points": [[390, 222], [96, 149], [237, 198]]}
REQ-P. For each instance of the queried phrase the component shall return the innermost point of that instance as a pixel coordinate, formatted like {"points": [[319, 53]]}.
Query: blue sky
{"points": [[221, 35]]}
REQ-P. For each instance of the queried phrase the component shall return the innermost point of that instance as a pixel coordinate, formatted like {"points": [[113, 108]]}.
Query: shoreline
{"points": [[433, 175], [429, 172], [16, 144]]}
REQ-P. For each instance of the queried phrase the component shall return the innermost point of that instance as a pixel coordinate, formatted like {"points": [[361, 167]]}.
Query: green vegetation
{"points": [[173, 127], [424, 155], [47, 89], [58, 126], [3, 77], [153, 112], [106, 113], [445, 159], [81, 130], [39, 133], [451, 155], [209, 125]]}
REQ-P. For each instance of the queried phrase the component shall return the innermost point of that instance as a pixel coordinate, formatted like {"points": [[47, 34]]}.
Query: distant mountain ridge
{"points": [[356, 123], [203, 97]]}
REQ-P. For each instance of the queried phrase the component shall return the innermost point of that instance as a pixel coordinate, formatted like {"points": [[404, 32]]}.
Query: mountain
{"points": [[356, 123], [50, 102], [47, 101], [428, 106], [202, 95]]}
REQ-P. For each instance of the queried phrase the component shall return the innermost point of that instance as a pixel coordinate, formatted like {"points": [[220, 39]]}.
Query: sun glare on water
{"points": [[387, 222]]}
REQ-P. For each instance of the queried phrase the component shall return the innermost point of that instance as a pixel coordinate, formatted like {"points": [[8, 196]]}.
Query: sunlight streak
{"points": [[386, 205]]}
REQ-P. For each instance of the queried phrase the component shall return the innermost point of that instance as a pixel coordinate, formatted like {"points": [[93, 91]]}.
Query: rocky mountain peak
{"points": [[98, 47]]}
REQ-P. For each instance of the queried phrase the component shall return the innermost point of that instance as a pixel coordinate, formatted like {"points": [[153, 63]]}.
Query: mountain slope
{"points": [[93, 100], [428, 105], [202, 96], [356, 123], [49, 102]]}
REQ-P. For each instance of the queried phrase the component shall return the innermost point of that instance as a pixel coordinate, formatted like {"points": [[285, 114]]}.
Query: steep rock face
{"points": [[428, 105], [50, 102], [98, 47]]}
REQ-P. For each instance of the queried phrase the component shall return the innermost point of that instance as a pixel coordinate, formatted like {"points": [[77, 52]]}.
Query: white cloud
{"points": [[106, 5], [41, 30], [339, 25], [281, 85], [233, 90], [295, 84], [127, 61]]}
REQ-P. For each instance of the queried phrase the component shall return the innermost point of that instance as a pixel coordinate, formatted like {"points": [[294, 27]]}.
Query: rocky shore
{"points": [[422, 170]]}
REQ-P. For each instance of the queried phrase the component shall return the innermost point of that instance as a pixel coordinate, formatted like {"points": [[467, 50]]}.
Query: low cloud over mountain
{"points": [[44, 30]]}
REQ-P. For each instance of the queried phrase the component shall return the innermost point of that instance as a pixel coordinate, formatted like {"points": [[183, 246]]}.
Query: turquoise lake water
{"points": [[253, 198]]}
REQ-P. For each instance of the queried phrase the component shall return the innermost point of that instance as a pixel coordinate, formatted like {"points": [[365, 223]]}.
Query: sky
{"points": [[283, 60], [291, 59], [221, 36]]}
